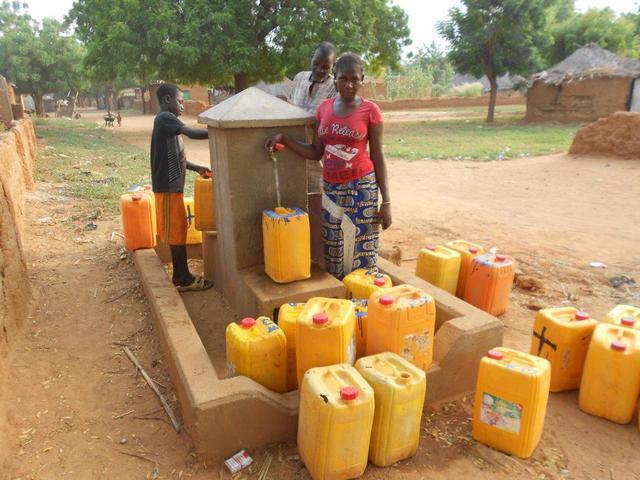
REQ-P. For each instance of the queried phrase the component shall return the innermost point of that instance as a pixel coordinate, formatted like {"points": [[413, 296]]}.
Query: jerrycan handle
{"points": [[520, 358]]}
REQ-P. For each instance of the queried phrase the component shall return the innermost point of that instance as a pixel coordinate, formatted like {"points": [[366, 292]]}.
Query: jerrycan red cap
{"points": [[618, 346], [320, 318], [349, 393], [500, 258], [628, 321], [386, 300], [431, 247], [279, 146], [379, 282], [582, 316], [495, 354], [247, 322], [474, 249], [136, 198]]}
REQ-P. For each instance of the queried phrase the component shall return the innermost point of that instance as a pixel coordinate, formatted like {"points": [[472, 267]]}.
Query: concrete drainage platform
{"points": [[225, 415]]}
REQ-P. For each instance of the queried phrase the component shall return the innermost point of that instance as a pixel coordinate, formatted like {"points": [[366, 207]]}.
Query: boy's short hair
{"points": [[325, 49], [167, 89], [349, 60]]}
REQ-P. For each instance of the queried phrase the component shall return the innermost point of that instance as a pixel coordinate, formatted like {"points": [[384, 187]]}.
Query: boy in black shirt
{"points": [[168, 169]]}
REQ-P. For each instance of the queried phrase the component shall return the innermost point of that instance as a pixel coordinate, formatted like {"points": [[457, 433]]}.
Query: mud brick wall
{"points": [[578, 101], [17, 155], [450, 102]]}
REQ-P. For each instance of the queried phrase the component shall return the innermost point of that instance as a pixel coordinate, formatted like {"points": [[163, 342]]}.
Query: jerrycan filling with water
{"points": [[286, 238]]}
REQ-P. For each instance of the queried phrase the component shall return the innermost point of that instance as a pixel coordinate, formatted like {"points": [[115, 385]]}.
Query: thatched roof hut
{"points": [[589, 84]]}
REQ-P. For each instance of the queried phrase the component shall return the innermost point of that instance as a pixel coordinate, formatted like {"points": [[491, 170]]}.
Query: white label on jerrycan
{"points": [[415, 343], [500, 413], [351, 351]]}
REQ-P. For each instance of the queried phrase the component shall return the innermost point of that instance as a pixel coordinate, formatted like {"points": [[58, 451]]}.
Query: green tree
{"points": [[602, 26], [39, 59], [125, 39], [248, 40], [432, 59], [495, 37]]}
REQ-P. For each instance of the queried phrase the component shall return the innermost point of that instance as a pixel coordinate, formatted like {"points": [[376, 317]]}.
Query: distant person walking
{"points": [[119, 119]]}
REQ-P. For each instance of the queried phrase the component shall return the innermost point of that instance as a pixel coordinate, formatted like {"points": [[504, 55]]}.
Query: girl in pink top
{"points": [[353, 173]]}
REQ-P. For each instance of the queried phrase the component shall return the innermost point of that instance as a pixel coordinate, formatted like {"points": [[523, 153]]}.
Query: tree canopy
{"points": [[495, 37], [617, 33], [38, 58], [222, 42]]}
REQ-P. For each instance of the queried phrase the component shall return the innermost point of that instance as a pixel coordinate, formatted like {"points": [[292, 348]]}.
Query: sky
{"points": [[423, 14]]}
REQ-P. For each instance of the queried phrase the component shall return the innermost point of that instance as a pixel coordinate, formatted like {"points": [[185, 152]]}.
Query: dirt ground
{"points": [[73, 407]]}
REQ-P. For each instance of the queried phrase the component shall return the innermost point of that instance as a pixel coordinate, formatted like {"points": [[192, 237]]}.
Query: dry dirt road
{"points": [[72, 406]]}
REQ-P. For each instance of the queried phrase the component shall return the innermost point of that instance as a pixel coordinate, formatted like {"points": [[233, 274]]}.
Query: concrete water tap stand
{"points": [[225, 415]]}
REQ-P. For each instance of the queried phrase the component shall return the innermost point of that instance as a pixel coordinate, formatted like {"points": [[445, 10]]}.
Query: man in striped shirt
{"points": [[310, 88]]}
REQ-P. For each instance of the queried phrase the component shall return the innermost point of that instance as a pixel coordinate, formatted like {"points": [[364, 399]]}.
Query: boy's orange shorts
{"points": [[171, 218]]}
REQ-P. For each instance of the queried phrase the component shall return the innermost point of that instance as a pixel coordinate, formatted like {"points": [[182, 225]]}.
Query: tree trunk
{"points": [[493, 81], [241, 82], [39, 101], [144, 104]]}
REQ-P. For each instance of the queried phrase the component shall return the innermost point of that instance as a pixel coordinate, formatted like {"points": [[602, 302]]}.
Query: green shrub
{"points": [[467, 90]]}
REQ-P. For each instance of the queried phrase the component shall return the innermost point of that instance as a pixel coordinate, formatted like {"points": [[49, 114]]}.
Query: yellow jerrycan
{"points": [[399, 389], [205, 210], [562, 336], [287, 244], [258, 349], [287, 320], [511, 401], [334, 426], [468, 251], [325, 334], [611, 379], [194, 236], [401, 320], [362, 308], [624, 315], [362, 283], [135, 211], [440, 266], [148, 190]]}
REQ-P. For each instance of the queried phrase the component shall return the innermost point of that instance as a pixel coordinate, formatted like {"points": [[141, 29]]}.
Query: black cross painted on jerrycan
{"points": [[543, 340], [190, 216]]}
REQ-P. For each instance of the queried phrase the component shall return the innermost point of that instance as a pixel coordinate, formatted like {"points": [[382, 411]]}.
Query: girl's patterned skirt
{"points": [[350, 225]]}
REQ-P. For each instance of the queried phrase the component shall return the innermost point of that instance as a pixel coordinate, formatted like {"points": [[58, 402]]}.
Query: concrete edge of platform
{"points": [[214, 410]]}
